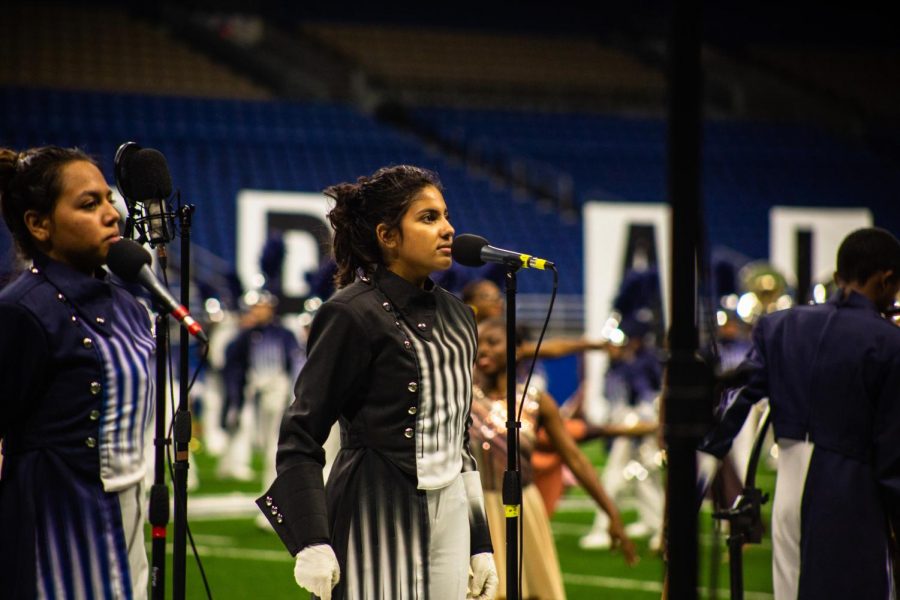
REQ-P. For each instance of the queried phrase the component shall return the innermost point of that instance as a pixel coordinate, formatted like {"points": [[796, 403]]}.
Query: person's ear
{"points": [[38, 225], [386, 237]]}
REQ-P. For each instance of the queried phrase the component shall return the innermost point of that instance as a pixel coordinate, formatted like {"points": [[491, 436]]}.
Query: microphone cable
{"points": [[537, 350], [537, 347]]}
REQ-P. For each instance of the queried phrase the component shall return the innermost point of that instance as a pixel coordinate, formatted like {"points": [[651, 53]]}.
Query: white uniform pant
{"points": [[273, 398], [793, 465], [131, 504], [214, 436], [449, 548], [742, 445], [630, 465]]}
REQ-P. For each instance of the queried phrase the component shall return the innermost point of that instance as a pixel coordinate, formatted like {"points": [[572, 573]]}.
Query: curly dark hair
{"points": [[360, 207]]}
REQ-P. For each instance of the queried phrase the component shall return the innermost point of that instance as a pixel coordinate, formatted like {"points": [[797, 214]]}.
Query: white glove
{"points": [[483, 581], [316, 570]]}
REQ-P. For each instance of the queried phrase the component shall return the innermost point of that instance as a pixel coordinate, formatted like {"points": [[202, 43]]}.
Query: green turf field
{"points": [[243, 561]]}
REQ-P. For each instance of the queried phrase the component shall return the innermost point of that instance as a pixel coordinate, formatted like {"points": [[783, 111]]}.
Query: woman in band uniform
{"points": [[75, 385], [390, 358]]}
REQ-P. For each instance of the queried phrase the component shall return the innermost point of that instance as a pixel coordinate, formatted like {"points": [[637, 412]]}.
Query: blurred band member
{"points": [[832, 375]]}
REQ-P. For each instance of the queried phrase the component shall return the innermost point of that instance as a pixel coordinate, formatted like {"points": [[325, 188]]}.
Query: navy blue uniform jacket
{"points": [[832, 375], [75, 352]]}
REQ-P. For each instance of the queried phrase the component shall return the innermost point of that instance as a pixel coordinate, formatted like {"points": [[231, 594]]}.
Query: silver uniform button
{"points": [[422, 326], [95, 387], [87, 343], [408, 432], [95, 415], [413, 386], [280, 518], [35, 270], [100, 320], [60, 297], [90, 442], [386, 306], [412, 410], [74, 319], [274, 510], [407, 344], [268, 500]]}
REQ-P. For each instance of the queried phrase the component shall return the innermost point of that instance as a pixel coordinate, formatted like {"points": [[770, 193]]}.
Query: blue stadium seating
{"points": [[748, 167], [217, 147]]}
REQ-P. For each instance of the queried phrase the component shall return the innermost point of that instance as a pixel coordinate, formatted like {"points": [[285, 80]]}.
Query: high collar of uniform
{"points": [[90, 296], [852, 299], [414, 304]]}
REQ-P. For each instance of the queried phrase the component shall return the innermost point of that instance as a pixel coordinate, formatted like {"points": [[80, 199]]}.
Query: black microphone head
{"points": [[466, 249], [148, 175], [125, 259]]}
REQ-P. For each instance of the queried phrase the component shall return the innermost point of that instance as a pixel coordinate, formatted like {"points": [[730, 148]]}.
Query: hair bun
{"points": [[8, 161]]}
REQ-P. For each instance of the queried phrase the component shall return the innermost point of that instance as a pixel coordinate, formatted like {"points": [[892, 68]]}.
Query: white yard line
{"points": [[215, 540], [579, 529], [222, 506], [257, 554], [616, 583]]}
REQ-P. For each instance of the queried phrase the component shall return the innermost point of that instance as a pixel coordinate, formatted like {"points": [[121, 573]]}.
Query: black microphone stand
{"points": [[512, 481], [182, 418], [154, 224], [744, 516], [159, 493]]}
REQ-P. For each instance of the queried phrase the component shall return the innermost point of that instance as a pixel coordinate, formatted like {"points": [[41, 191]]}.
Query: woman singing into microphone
{"points": [[390, 358], [75, 351]]}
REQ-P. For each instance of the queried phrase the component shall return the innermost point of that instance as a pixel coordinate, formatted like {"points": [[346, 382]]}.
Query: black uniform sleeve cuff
{"points": [[295, 506]]}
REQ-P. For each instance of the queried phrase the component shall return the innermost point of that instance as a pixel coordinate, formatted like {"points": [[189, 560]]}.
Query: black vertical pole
{"points": [[512, 483], [804, 240], [182, 422], [688, 391], [159, 493]]}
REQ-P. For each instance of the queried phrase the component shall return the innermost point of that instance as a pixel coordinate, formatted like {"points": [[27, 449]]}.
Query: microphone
{"points": [[142, 175], [151, 186], [473, 251], [130, 261]]}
